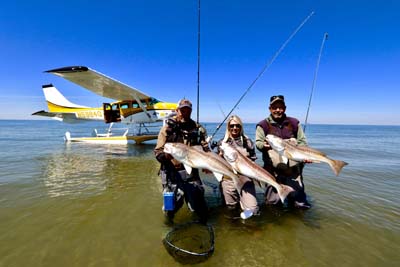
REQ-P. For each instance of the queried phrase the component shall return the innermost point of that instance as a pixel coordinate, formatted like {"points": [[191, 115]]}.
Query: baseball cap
{"points": [[276, 98], [184, 103]]}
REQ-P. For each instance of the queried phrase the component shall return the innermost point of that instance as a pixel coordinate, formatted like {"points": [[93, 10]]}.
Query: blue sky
{"points": [[152, 45]]}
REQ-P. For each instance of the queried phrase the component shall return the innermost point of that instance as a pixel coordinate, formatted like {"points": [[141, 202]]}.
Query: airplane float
{"points": [[132, 107]]}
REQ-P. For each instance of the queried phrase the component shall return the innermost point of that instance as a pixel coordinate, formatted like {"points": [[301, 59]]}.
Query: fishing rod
{"points": [[198, 61], [315, 78], [266, 66]]}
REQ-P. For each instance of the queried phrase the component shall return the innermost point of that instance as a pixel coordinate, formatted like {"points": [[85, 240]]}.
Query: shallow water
{"points": [[85, 205]]}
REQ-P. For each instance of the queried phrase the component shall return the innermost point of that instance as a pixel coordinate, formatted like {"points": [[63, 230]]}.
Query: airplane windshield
{"points": [[153, 101]]}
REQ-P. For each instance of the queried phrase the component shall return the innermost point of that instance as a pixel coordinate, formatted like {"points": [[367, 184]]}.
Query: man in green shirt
{"points": [[288, 173]]}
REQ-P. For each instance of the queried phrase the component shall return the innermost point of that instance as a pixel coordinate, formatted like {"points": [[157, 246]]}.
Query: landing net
{"points": [[190, 243]]}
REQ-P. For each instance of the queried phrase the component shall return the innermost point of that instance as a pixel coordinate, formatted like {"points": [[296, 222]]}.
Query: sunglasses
{"points": [[235, 126], [275, 97]]}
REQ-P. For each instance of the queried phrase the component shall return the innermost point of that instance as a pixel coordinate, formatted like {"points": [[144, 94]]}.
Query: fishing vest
{"points": [[183, 132], [288, 128], [188, 133]]}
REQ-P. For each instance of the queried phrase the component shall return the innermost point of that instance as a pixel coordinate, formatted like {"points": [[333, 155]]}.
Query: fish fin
{"points": [[218, 176], [285, 157], [298, 180], [337, 165], [259, 183], [188, 168], [284, 191]]}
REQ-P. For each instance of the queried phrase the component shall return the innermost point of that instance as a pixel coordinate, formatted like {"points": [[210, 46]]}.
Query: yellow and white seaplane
{"points": [[132, 107]]}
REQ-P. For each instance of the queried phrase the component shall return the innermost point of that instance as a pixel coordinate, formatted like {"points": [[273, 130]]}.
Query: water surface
{"points": [[91, 205]]}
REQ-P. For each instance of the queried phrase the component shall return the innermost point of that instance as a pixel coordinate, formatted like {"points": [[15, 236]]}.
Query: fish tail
{"points": [[337, 165], [284, 191]]}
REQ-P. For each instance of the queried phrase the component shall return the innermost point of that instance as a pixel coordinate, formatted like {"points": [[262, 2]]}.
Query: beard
{"points": [[278, 117]]}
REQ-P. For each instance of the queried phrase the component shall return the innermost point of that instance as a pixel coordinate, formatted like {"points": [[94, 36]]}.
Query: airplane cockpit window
{"points": [[153, 101], [124, 105], [135, 105], [115, 107]]}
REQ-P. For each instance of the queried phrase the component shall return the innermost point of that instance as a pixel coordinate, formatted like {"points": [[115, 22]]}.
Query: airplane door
{"points": [[111, 113]]}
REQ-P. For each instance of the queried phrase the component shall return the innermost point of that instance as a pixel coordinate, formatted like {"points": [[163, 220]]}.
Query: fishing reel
{"points": [[192, 137], [213, 145], [172, 124]]}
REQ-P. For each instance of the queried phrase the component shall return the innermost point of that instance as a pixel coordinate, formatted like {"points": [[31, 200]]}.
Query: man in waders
{"points": [[176, 182], [290, 173]]}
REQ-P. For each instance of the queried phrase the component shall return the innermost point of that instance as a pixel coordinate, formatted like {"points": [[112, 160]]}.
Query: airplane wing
{"points": [[99, 83]]}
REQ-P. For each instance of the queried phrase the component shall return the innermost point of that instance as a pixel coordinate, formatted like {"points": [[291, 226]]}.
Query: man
{"points": [[182, 129], [286, 173]]}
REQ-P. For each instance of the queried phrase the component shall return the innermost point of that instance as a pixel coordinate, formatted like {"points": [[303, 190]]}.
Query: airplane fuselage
{"points": [[130, 111], [127, 111]]}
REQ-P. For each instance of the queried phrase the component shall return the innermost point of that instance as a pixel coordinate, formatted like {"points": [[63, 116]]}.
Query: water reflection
{"points": [[80, 169], [68, 174]]}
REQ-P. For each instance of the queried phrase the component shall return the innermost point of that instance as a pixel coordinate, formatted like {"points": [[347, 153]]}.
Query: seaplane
{"points": [[132, 107]]}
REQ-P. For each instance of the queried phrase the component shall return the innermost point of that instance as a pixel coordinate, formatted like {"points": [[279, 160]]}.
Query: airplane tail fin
{"points": [[56, 101]]}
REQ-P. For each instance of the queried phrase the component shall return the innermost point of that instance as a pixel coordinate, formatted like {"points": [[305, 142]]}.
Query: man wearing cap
{"points": [[182, 129], [290, 173]]}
